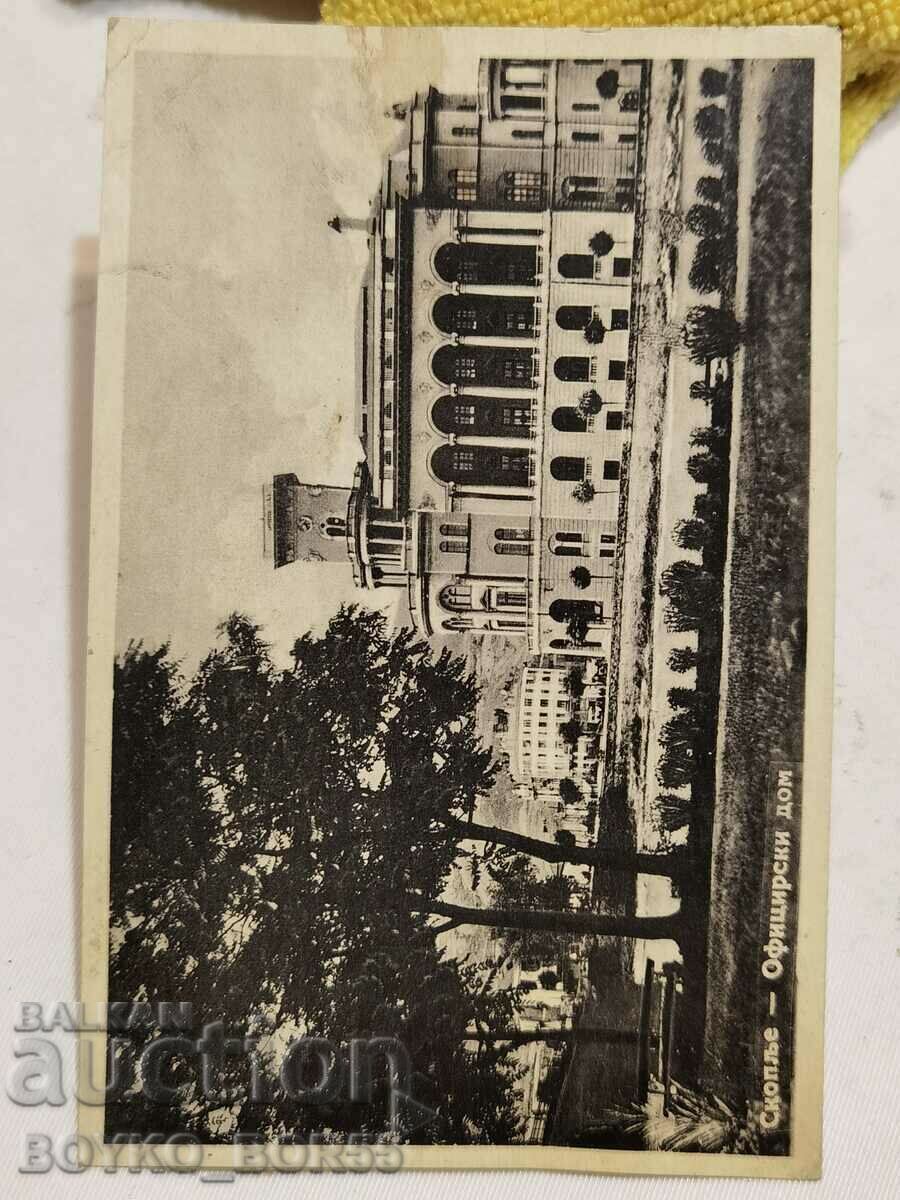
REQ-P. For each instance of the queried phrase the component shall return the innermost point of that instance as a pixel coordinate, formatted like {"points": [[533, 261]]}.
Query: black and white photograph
{"points": [[460, 680]]}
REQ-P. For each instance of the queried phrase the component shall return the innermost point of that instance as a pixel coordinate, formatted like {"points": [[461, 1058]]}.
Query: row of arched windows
{"points": [[481, 464], [498, 263], [512, 366], [491, 366], [455, 597], [486, 262], [493, 465], [486, 316], [510, 316], [495, 417], [517, 540], [480, 415]]}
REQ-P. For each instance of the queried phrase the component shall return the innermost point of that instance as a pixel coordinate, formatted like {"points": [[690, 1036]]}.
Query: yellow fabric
{"points": [[871, 32]]}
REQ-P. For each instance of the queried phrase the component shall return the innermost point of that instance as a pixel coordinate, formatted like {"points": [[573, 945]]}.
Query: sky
{"points": [[240, 328]]}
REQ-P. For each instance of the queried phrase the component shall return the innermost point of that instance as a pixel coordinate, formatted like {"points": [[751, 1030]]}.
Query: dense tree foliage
{"points": [[282, 840]]}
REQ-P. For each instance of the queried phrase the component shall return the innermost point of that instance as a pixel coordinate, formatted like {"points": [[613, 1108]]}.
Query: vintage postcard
{"points": [[458, 745]]}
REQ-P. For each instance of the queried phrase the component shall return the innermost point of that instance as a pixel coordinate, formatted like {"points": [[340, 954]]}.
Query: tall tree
{"points": [[669, 863], [310, 799], [283, 840]]}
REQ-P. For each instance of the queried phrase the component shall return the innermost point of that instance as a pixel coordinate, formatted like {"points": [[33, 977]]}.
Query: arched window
{"points": [[576, 266], [566, 467], [455, 531], [568, 544], [486, 262], [572, 368], [455, 597], [335, 527], [453, 547], [468, 413], [481, 465], [565, 610], [512, 534], [568, 420], [573, 316], [523, 549], [492, 366], [488, 316], [457, 623]]}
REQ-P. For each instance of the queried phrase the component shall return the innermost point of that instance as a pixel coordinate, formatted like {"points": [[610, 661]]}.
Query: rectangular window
{"points": [[616, 368], [465, 367], [464, 185], [517, 415], [627, 139], [580, 106], [453, 547], [608, 538], [621, 268], [465, 131], [583, 135], [388, 458], [464, 414], [520, 103], [513, 463], [463, 460], [529, 135], [468, 267], [606, 553], [516, 369], [614, 420], [619, 319], [611, 469], [517, 322], [510, 599], [523, 187], [465, 320]]}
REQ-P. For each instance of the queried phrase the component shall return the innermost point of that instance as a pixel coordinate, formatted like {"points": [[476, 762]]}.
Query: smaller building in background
{"points": [[560, 720]]}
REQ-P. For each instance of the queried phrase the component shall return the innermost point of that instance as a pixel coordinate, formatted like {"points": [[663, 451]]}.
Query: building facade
{"points": [[496, 334], [546, 706]]}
